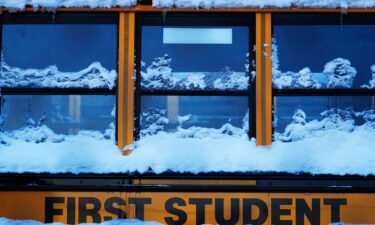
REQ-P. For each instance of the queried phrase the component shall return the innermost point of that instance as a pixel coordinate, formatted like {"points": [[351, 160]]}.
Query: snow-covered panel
{"points": [[94, 76], [53, 4], [160, 76], [5, 221], [264, 3]]}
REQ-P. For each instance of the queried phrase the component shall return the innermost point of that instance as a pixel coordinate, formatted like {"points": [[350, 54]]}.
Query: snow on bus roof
{"points": [[265, 3], [52, 4]]}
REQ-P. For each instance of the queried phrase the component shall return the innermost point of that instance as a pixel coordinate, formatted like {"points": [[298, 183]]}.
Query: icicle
{"points": [[344, 11], [164, 13]]}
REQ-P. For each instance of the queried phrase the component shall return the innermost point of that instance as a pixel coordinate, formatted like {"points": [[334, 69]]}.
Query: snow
{"points": [[195, 81], [226, 149], [94, 76], [372, 81], [336, 119], [160, 75], [5, 221], [302, 79], [339, 73], [280, 80], [53, 4], [153, 121], [264, 3]]}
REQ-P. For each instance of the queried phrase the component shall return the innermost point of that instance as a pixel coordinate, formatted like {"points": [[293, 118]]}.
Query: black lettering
{"points": [[108, 206], [335, 208], [200, 208], [302, 210], [277, 212], [71, 211], [140, 206], [234, 211], [182, 216], [84, 212], [263, 211], [49, 210]]}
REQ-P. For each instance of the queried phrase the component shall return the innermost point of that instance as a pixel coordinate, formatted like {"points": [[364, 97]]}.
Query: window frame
{"points": [[61, 18], [197, 20]]}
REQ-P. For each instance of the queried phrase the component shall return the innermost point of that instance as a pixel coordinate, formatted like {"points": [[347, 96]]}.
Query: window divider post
{"points": [[125, 93], [263, 79]]}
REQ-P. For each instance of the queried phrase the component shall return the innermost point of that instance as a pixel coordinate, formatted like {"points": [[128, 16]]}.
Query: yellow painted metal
{"points": [[355, 208], [193, 182], [263, 79], [125, 113]]}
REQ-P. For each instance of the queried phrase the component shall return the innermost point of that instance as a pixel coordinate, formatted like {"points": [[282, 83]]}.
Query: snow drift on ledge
{"points": [[5, 221], [334, 151], [94, 76]]}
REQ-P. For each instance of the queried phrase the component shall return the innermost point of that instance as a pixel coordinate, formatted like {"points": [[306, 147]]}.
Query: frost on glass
{"points": [[323, 57], [194, 116], [52, 118], [194, 66], [336, 115]]}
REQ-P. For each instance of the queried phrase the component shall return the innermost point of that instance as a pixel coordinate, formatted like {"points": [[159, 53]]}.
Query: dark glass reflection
{"points": [[71, 47], [205, 111], [213, 60], [66, 114], [313, 46], [284, 107]]}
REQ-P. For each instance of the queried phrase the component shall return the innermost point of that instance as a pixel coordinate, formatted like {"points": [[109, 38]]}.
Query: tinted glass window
{"points": [[314, 106], [71, 47], [314, 46], [64, 114], [189, 111], [194, 57]]}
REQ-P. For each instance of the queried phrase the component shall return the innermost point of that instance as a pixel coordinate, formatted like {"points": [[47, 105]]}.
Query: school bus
{"points": [[187, 198]]}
